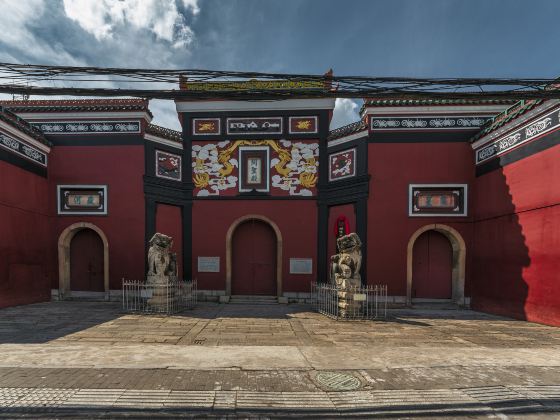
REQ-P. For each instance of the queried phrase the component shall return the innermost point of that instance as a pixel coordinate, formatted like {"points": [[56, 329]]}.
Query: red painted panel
{"points": [[169, 222], [121, 168], [254, 255], [296, 220], [517, 240], [393, 166], [431, 266], [25, 227], [86, 262]]}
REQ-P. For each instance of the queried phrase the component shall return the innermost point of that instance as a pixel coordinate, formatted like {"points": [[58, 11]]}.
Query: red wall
{"points": [[169, 222], [297, 221], [121, 168], [24, 233], [517, 239], [393, 166]]}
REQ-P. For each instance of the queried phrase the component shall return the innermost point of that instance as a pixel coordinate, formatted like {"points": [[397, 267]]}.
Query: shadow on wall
{"points": [[500, 253]]}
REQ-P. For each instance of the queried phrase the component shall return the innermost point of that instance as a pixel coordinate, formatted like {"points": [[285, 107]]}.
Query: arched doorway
{"points": [[438, 261], [432, 259], [83, 260], [254, 257], [86, 262]]}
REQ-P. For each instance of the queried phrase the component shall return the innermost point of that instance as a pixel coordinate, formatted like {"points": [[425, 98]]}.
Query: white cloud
{"points": [[346, 111], [165, 114], [160, 17]]}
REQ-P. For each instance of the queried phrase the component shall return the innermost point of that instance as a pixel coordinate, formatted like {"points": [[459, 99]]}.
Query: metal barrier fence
{"points": [[165, 298], [352, 303]]}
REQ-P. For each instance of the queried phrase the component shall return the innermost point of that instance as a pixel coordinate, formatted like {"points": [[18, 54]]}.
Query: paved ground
{"points": [[64, 359]]}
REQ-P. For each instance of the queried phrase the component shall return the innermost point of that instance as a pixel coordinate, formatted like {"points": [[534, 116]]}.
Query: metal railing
{"points": [[351, 303], [166, 298]]}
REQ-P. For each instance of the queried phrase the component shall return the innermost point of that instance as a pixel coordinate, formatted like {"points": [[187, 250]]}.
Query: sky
{"points": [[420, 38]]}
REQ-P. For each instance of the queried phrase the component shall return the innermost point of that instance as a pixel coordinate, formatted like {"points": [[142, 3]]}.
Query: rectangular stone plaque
{"points": [[359, 297], [301, 266], [208, 264]]}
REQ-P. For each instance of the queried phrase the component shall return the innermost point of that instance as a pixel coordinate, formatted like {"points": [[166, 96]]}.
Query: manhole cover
{"points": [[336, 381]]}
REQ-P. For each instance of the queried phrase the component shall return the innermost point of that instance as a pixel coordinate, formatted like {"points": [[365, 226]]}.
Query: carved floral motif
{"points": [[294, 163]]}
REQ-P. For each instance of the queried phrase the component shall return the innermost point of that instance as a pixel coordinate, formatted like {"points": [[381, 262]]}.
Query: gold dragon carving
{"points": [[307, 179]]}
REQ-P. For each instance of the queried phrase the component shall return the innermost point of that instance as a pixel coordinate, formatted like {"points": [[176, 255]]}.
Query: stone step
{"points": [[253, 300]]}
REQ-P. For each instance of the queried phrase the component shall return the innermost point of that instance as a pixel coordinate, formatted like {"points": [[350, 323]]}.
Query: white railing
{"points": [[351, 303], [164, 298]]}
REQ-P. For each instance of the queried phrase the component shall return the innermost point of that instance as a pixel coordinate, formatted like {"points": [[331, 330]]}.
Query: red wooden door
{"points": [[86, 262], [254, 259], [431, 266]]}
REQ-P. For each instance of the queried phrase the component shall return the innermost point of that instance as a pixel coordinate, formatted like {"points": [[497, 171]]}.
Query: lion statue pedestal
{"points": [[345, 272], [162, 269]]}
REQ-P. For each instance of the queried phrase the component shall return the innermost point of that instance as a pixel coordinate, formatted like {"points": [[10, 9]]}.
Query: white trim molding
{"points": [[156, 139], [349, 138]]}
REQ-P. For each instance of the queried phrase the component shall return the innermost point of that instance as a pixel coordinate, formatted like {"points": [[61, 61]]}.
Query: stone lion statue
{"points": [[159, 258], [345, 266]]}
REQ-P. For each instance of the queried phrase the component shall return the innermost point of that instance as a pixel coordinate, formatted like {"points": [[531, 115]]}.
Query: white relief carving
{"points": [[386, 123], [509, 141], [538, 127], [126, 127], [52, 128], [101, 127], [486, 153], [441, 123], [32, 153], [11, 143], [470, 122], [414, 123]]}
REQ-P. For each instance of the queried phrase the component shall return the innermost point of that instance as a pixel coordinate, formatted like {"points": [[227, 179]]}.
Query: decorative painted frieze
{"points": [[303, 125], [342, 165], [528, 132], [293, 166], [437, 200], [23, 149], [82, 199], [206, 126], [431, 123], [264, 125], [168, 165], [89, 127]]}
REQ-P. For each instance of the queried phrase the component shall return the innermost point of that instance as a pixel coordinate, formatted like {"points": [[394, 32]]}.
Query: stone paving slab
{"points": [[488, 401]]}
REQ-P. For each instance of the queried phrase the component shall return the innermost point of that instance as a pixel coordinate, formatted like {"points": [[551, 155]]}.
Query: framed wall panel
{"points": [[82, 199], [432, 200], [342, 164], [168, 165]]}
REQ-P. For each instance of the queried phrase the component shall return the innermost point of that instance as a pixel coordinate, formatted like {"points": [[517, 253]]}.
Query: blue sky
{"points": [[423, 38]]}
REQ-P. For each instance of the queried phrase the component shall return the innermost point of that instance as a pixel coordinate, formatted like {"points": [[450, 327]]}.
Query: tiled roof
{"points": [[23, 126], [165, 133], [508, 115], [435, 102], [78, 105], [347, 130]]}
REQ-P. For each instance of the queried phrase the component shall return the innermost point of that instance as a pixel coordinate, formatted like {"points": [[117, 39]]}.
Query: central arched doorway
{"points": [[251, 240], [86, 262], [432, 265], [253, 259]]}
